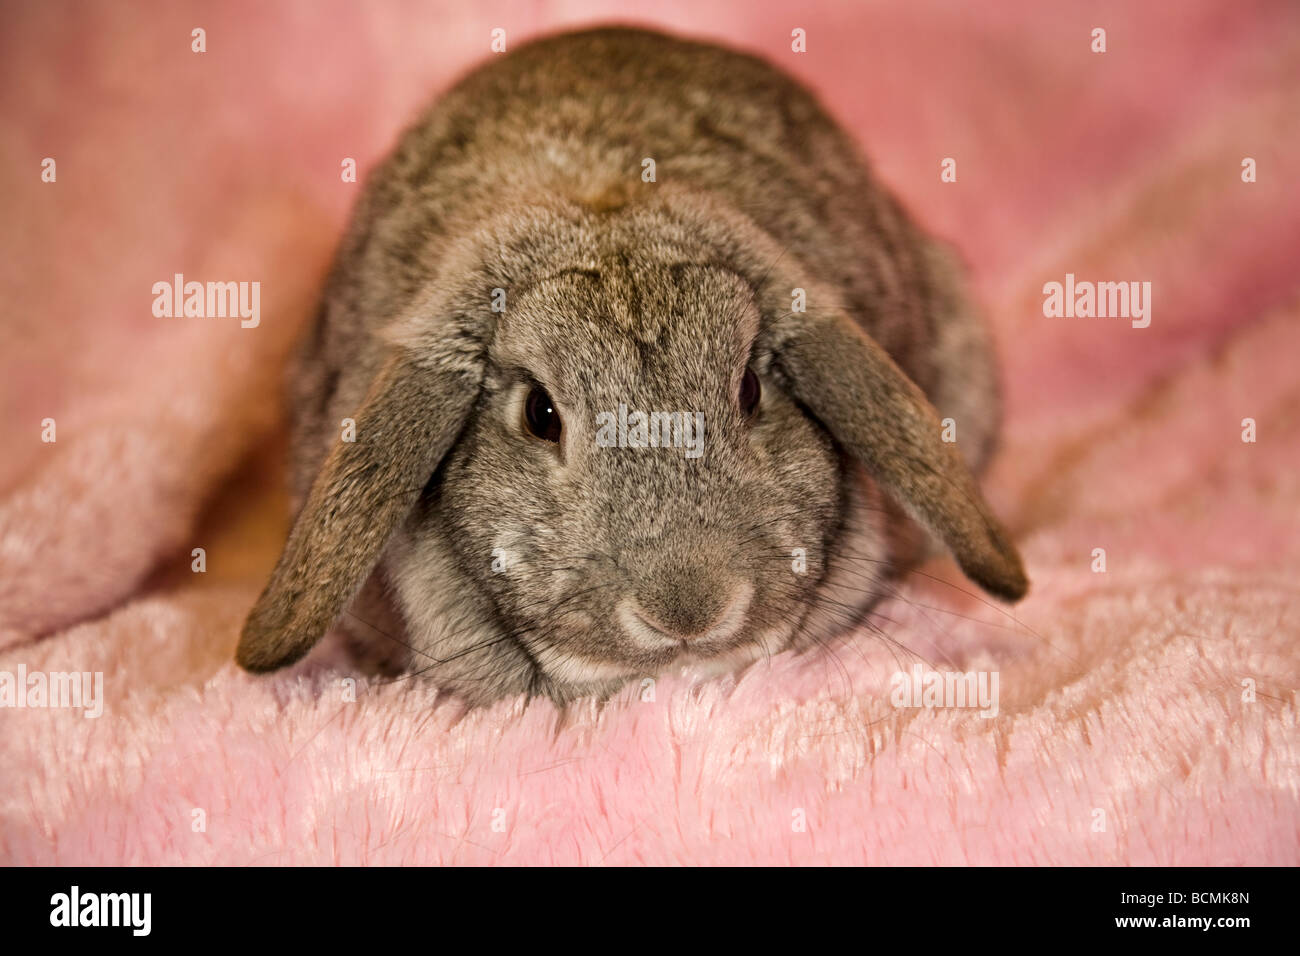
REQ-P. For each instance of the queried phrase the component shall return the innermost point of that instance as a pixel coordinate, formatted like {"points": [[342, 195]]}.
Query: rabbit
{"points": [[619, 217]]}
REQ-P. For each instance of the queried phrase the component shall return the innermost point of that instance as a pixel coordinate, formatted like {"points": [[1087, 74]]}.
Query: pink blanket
{"points": [[1148, 712]]}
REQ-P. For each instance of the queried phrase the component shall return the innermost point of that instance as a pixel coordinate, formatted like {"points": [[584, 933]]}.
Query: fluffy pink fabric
{"points": [[1121, 693]]}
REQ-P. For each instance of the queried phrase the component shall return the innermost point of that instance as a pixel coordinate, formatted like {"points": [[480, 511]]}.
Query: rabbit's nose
{"points": [[687, 614]]}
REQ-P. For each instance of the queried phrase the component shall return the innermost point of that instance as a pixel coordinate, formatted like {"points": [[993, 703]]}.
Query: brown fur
{"points": [[526, 177]]}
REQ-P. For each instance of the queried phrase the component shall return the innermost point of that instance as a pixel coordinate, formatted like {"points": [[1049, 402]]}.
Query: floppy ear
{"points": [[412, 414], [882, 418]]}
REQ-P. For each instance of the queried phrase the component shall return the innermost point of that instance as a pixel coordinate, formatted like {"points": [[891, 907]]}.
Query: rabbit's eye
{"points": [[749, 392], [540, 417]]}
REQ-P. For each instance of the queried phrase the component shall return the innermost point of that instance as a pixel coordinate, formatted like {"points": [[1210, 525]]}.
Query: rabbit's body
{"points": [[514, 564]]}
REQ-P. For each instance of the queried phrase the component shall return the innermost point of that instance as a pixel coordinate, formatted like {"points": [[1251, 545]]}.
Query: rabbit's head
{"points": [[634, 448]]}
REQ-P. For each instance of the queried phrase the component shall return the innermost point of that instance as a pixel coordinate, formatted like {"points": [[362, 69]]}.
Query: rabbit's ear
{"points": [[411, 416], [882, 418]]}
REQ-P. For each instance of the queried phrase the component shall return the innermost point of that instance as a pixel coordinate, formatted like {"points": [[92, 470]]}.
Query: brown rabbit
{"points": [[600, 222]]}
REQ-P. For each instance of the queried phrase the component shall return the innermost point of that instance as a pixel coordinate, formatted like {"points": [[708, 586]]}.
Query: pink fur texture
{"points": [[1147, 714]]}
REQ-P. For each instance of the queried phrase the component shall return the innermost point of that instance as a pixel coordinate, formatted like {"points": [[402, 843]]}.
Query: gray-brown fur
{"points": [[527, 177]]}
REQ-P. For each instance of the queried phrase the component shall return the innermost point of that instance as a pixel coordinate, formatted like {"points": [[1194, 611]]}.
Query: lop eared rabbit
{"points": [[621, 218]]}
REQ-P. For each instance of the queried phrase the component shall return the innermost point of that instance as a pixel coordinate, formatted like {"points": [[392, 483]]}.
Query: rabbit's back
{"points": [[576, 117]]}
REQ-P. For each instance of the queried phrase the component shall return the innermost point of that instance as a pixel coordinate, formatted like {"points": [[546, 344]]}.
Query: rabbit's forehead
{"points": [[624, 326]]}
